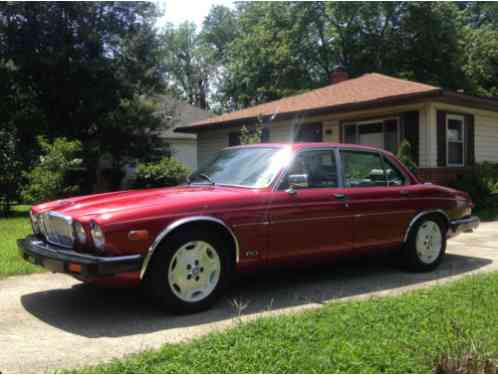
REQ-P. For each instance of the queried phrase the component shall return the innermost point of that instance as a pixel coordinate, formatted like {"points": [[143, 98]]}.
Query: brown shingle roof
{"points": [[368, 88]]}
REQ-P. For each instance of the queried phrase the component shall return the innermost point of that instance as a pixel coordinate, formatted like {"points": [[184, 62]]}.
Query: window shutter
{"points": [[469, 140], [441, 138], [410, 131], [265, 135], [234, 139]]}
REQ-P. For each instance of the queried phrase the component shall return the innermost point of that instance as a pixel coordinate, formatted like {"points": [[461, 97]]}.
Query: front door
{"points": [[311, 220], [380, 199]]}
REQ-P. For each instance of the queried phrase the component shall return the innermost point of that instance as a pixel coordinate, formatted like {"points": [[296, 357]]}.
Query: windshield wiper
{"points": [[204, 176]]}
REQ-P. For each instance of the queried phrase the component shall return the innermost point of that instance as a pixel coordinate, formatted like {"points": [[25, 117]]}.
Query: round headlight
{"points": [[97, 236], [80, 232], [35, 223]]}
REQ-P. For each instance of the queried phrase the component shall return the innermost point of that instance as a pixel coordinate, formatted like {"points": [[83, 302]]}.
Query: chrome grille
{"points": [[57, 229]]}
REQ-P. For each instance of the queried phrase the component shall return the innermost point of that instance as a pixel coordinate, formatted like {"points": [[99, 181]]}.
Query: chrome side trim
{"points": [[418, 216], [174, 225]]}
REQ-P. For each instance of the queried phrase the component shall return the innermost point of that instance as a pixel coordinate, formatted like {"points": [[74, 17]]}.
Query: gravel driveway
{"points": [[50, 321]]}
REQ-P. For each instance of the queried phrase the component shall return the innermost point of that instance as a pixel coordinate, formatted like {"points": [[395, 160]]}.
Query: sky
{"points": [[178, 11]]}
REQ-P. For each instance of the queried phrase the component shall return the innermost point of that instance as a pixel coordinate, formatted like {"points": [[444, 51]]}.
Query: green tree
{"points": [[187, 63], [10, 177], [78, 64], [283, 48], [404, 154], [250, 136], [55, 175], [166, 172]]}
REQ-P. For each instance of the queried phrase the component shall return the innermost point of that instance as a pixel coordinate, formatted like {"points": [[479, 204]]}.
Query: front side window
{"points": [[394, 176], [455, 140], [319, 167], [362, 169], [254, 167]]}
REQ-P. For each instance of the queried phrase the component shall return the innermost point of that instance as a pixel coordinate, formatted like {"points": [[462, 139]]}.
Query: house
{"points": [[182, 146], [449, 131]]}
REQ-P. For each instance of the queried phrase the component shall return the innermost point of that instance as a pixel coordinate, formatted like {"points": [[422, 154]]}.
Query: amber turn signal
{"points": [[74, 267], [138, 235]]}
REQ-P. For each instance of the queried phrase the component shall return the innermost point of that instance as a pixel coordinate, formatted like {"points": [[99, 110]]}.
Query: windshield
{"points": [[254, 167]]}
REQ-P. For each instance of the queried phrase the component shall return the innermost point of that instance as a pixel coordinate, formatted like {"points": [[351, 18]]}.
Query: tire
{"points": [[426, 245], [189, 271]]}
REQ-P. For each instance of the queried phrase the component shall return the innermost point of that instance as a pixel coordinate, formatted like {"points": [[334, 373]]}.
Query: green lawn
{"points": [[407, 333], [12, 228]]}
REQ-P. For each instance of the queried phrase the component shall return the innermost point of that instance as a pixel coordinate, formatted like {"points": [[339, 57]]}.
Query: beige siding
{"points": [[209, 142], [486, 138], [185, 151], [428, 137], [281, 132]]}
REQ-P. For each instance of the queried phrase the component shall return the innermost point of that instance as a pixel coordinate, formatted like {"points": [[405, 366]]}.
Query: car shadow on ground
{"points": [[92, 312]]}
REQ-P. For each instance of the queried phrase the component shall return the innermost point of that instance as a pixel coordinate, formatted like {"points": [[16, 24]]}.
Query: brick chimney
{"points": [[339, 74]]}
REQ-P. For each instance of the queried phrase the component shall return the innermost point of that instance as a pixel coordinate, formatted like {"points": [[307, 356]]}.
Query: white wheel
{"points": [[189, 271], [194, 271], [429, 242], [426, 244]]}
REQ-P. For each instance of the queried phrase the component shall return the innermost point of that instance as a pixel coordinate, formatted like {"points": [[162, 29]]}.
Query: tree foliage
{"points": [[79, 65], [404, 154], [10, 177], [249, 136], [56, 173], [166, 172], [188, 65], [261, 51]]}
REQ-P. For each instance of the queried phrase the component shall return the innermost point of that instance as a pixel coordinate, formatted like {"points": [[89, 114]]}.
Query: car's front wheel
{"points": [[426, 245], [189, 272]]}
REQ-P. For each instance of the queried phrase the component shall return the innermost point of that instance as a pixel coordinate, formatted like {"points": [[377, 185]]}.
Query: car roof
{"points": [[305, 145]]}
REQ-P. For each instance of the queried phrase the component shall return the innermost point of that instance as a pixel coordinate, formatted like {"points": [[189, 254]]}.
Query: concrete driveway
{"points": [[50, 321]]}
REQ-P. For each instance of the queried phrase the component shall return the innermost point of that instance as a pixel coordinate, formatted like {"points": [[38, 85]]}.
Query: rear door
{"points": [[380, 197], [313, 220]]}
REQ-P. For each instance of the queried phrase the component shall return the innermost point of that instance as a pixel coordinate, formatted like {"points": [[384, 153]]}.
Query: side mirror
{"points": [[298, 181]]}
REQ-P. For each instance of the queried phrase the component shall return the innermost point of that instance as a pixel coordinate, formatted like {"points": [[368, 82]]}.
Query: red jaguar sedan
{"points": [[249, 207]]}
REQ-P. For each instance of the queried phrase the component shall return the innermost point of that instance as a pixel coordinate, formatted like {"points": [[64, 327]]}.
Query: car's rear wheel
{"points": [[189, 271], [426, 245]]}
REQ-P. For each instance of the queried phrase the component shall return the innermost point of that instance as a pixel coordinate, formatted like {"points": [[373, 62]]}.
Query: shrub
{"points": [[167, 172], [249, 137], [56, 174], [405, 155], [481, 185], [10, 177]]}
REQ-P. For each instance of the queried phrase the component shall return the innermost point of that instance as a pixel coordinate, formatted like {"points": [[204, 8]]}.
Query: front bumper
{"points": [[468, 224], [71, 262]]}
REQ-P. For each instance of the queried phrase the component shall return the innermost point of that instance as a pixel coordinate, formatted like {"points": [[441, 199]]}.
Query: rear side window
{"points": [[362, 169], [369, 169]]}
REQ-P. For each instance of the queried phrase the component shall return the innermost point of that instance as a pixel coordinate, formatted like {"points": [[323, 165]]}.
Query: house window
{"points": [[310, 133], [382, 133], [455, 140]]}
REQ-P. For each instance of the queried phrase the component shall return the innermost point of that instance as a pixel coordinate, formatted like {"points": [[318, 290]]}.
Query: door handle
{"points": [[340, 196], [404, 192]]}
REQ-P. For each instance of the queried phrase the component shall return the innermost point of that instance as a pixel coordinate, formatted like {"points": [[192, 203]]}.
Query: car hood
{"points": [[175, 199]]}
